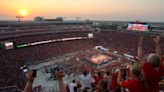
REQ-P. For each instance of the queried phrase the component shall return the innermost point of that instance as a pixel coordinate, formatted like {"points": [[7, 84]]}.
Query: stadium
{"points": [[67, 46]]}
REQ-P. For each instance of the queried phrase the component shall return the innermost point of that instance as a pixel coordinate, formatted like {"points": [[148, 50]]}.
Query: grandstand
{"points": [[67, 45]]}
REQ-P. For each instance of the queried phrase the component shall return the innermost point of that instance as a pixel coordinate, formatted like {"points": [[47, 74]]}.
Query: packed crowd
{"points": [[143, 75], [124, 42], [12, 60]]}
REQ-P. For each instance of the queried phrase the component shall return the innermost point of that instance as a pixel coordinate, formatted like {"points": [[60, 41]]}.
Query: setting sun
{"points": [[23, 12]]}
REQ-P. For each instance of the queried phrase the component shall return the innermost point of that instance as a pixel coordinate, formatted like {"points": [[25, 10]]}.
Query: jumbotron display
{"points": [[138, 26]]}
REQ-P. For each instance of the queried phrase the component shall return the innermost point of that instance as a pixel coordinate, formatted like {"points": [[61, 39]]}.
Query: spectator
{"points": [[59, 76], [102, 86], [85, 80], [98, 78], [114, 85], [28, 87], [109, 79], [136, 84], [73, 86], [159, 53], [150, 68]]}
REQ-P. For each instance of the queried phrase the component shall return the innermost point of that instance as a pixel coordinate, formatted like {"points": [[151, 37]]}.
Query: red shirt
{"points": [[152, 77], [133, 86], [67, 88], [114, 81], [98, 79], [161, 69]]}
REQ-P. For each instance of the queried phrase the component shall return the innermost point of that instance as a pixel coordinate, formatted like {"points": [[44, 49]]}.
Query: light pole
{"points": [[19, 18]]}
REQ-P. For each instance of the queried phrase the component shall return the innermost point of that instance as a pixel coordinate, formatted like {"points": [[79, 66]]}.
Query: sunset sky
{"points": [[145, 10]]}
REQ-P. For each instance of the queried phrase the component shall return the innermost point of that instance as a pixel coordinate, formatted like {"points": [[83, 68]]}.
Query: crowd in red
{"points": [[143, 75], [109, 79], [12, 60], [126, 42]]}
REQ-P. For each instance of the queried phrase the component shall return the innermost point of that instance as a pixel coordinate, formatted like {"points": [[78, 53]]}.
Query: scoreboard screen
{"points": [[6, 45], [138, 26]]}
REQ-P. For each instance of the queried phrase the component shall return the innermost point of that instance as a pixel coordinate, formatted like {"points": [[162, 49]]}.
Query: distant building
{"points": [[57, 19], [39, 19]]}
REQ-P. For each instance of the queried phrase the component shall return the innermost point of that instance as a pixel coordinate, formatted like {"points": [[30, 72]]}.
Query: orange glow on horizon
{"points": [[87, 9]]}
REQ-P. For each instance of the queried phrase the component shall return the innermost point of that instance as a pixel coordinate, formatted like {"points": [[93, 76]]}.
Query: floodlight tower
{"points": [[19, 18]]}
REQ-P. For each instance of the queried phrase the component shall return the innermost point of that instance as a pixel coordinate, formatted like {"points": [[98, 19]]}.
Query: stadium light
{"points": [[19, 18]]}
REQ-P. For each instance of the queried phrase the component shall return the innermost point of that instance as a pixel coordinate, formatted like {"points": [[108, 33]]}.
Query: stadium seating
{"points": [[12, 60]]}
